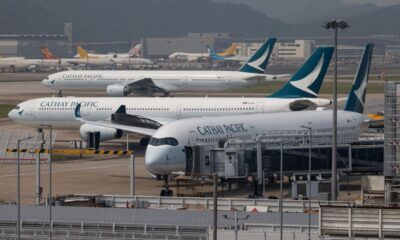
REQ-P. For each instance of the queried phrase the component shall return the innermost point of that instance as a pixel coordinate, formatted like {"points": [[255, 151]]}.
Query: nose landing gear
{"points": [[166, 191]]}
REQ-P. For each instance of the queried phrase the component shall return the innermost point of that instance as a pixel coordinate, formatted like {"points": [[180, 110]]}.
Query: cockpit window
{"points": [[163, 141], [17, 107]]}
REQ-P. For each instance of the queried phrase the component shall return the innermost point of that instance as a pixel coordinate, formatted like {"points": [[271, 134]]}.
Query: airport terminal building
{"points": [[29, 46], [192, 43]]}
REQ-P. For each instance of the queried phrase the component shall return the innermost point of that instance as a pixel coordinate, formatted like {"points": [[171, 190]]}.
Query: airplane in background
{"points": [[29, 64], [113, 116], [133, 58], [89, 60], [378, 120], [230, 51], [193, 57], [187, 57], [165, 153], [217, 57], [122, 83], [132, 53], [62, 62]]}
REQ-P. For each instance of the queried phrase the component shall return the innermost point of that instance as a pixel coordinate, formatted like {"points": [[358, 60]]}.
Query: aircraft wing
{"points": [[125, 122], [132, 129], [308, 104], [145, 86]]}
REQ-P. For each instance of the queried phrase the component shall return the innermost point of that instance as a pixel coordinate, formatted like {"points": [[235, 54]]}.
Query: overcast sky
{"points": [[377, 2]]}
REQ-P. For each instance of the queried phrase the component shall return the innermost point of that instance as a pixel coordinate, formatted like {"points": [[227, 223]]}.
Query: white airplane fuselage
{"points": [[132, 61], [30, 63], [171, 81], [59, 111], [165, 153], [91, 61]]}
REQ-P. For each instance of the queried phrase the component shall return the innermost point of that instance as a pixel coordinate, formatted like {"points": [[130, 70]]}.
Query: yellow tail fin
{"points": [[82, 52], [229, 51]]}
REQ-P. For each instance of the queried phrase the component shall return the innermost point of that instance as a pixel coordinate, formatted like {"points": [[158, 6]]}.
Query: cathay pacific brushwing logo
{"points": [[360, 91], [78, 111], [304, 83], [259, 61]]}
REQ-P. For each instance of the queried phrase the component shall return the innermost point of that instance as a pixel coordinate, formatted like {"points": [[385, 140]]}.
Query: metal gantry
{"points": [[392, 142]]}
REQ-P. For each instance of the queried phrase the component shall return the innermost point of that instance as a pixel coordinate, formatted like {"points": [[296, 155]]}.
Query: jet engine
{"points": [[105, 132], [117, 90]]}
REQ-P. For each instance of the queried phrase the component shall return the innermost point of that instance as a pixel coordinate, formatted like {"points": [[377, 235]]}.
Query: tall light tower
{"points": [[335, 25]]}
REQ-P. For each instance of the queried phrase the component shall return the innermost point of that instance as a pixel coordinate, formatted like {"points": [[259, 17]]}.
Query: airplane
{"points": [[17, 63], [187, 57], [61, 62], [230, 51], [218, 57], [133, 52], [147, 83], [378, 120], [89, 60], [130, 58], [165, 153], [192, 57], [301, 94]]}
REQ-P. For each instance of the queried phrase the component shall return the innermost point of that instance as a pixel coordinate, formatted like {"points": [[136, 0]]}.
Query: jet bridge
{"points": [[239, 159]]}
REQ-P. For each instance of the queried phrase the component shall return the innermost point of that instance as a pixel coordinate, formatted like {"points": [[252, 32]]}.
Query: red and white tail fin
{"points": [[46, 54], [135, 50]]}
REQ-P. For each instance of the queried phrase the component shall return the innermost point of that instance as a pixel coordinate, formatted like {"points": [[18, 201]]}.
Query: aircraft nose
{"points": [[155, 160], [12, 114], [45, 81]]}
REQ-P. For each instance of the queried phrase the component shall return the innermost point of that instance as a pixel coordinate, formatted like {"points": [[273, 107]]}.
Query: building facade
{"points": [[192, 43], [29, 46], [283, 50]]}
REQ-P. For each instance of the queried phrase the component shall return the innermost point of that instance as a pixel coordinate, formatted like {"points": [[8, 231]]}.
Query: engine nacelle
{"points": [[105, 132], [117, 90]]}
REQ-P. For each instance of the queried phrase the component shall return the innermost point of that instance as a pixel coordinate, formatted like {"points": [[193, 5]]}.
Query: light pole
{"points": [[335, 24], [236, 219], [19, 188], [50, 177], [281, 190], [309, 179]]}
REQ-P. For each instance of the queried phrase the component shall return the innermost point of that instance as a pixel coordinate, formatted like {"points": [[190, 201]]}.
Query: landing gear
{"points": [[166, 191], [59, 94]]}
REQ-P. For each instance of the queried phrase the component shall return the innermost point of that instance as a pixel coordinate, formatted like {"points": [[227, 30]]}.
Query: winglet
{"points": [[259, 61], [121, 109], [78, 111], [307, 81], [356, 99]]}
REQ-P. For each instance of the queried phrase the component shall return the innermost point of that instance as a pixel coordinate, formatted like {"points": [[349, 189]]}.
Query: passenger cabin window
{"points": [[163, 141]]}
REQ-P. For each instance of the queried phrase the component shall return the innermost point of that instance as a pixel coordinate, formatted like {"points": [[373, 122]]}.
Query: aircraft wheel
{"points": [[170, 193], [163, 193]]}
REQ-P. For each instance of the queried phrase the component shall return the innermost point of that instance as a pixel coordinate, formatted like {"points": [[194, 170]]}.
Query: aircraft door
{"points": [[179, 110], [193, 137], [228, 81], [260, 107]]}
